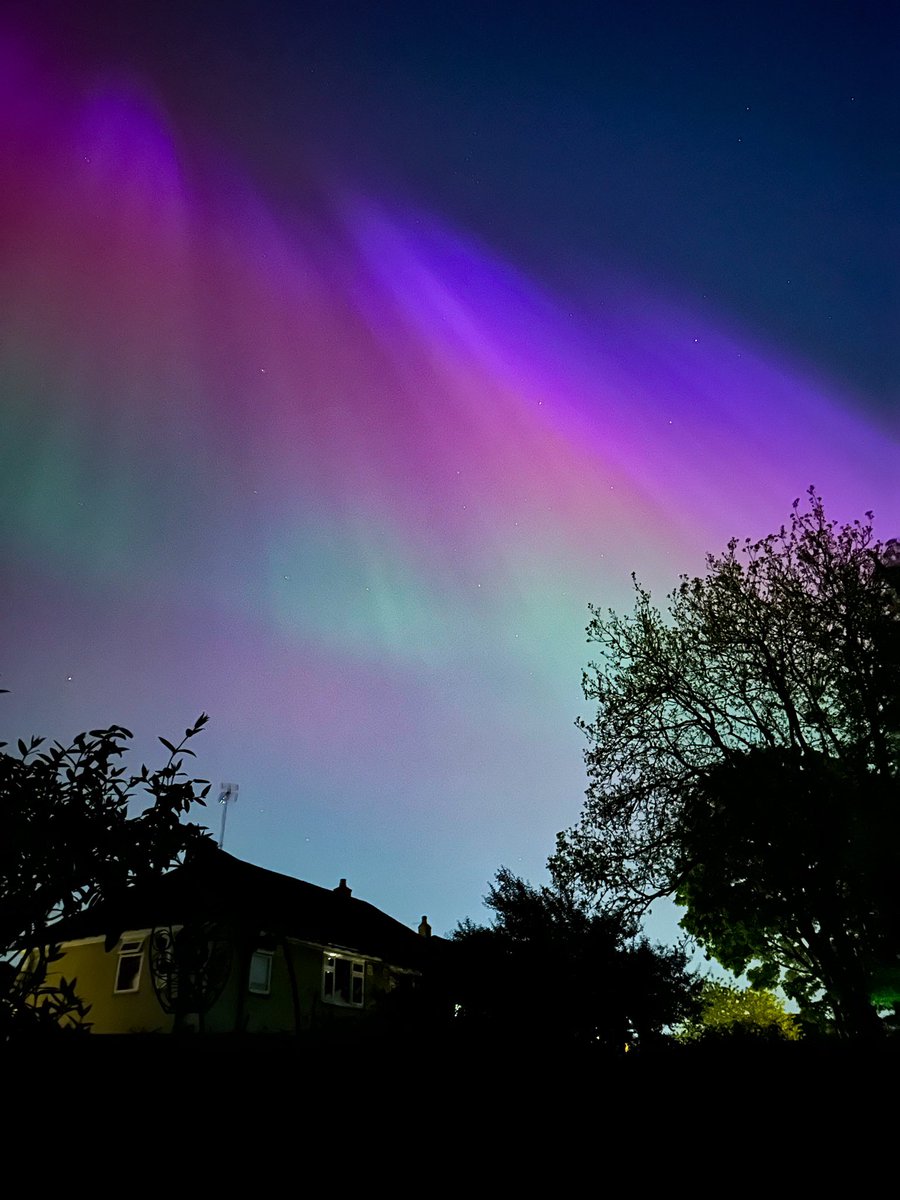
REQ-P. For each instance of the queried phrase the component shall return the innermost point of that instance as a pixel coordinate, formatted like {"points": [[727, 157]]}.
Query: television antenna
{"points": [[228, 794]]}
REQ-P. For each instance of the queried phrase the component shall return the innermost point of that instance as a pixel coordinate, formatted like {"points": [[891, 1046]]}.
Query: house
{"points": [[220, 945]]}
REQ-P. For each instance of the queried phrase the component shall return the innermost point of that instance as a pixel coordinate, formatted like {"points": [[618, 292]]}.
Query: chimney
{"points": [[343, 890], [424, 928]]}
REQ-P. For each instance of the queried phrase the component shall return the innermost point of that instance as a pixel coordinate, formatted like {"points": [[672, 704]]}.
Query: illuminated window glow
{"points": [[343, 981]]}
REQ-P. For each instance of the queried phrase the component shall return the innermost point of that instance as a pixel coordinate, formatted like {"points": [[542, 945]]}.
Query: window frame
{"points": [[129, 949], [269, 956], [356, 973]]}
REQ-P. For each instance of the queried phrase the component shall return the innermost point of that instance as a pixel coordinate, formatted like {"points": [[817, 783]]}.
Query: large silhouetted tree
{"points": [[67, 841], [549, 970], [744, 758]]}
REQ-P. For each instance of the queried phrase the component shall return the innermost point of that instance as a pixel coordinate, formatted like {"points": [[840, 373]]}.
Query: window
{"points": [[261, 973], [128, 970], [343, 980]]}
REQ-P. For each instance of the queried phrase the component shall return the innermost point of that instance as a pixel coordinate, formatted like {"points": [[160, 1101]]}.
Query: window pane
{"points": [[342, 973], [128, 972], [261, 973]]}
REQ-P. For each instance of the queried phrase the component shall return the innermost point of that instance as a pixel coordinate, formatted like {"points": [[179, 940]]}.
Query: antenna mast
{"points": [[228, 794]]}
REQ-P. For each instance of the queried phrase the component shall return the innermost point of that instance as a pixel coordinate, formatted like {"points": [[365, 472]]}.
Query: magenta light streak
{"points": [[347, 480]]}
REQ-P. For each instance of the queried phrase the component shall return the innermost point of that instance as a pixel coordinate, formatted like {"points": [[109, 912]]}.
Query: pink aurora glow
{"points": [[368, 474]]}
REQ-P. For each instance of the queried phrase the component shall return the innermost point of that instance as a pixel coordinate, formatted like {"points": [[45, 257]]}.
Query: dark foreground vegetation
{"points": [[461, 1099]]}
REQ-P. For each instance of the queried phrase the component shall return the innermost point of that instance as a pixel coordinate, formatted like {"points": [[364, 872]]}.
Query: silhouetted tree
{"points": [[67, 843], [744, 758], [789, 862], [547, 969]]}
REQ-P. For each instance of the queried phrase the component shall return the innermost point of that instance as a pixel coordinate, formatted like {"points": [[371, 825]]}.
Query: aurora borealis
{"points": [[344, 360]]}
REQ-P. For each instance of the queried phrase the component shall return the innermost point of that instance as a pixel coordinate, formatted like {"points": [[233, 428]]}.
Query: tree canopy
{"points": [[548, 969], [728, 1011], [744, 759], [67, 842]]}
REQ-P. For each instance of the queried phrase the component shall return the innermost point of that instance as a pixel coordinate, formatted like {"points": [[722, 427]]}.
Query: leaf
{"points": [[76, 846]]}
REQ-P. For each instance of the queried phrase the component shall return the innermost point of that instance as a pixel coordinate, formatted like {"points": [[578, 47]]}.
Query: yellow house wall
{"points": [[95, 973], [236, 1009]]}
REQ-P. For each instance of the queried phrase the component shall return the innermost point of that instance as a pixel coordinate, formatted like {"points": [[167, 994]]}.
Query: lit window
{"points": [[261, 972], [343, 980], [128, 970]]}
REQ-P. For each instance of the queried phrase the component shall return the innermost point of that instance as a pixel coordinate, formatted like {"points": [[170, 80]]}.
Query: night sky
{"points": [[349, 350]]}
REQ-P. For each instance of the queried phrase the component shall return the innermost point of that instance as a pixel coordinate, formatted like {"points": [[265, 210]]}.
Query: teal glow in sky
{"points": [[344, 361]]}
